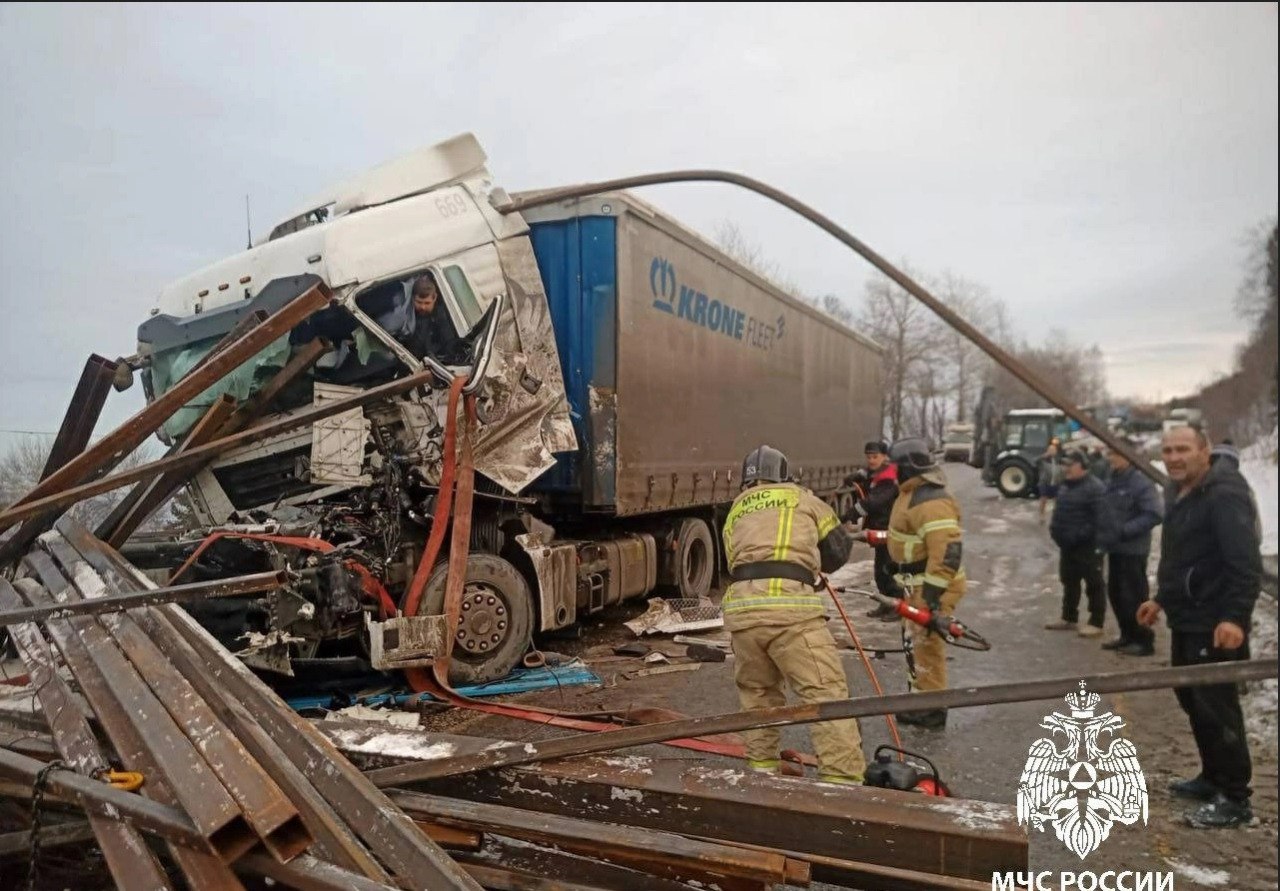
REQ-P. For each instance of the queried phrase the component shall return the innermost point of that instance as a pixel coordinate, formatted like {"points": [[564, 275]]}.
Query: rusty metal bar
{"points": [[948, 315], [662, 853], [308, 873], [299, 364], [202, 868], [237, 586], [392, 836], [264, 805], [69, 833], [128, 858], [123, 691], [334, 840], [948, 836], [238, 330], [73, 436], [147, 496], [833, 710], [99, 799], [197, 456], [108, 451], [525, 867], [82, 415]]}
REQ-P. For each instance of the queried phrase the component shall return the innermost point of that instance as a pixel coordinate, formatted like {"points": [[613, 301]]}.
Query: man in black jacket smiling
{"points": [[1210, 572]]}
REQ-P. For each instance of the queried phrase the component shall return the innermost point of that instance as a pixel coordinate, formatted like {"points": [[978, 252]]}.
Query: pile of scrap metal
{"points": [[235, 784]]}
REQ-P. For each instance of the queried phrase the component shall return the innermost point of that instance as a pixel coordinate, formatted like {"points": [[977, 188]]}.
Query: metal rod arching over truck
{"points": [[627, 366]]}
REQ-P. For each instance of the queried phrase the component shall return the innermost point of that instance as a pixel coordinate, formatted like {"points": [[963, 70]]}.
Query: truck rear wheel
{"points": [[496, 621], [1013, 479], [695, 558]]}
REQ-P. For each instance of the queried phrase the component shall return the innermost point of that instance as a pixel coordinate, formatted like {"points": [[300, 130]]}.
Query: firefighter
{"points": [[777, 537], [878, 482], [925, 543]]}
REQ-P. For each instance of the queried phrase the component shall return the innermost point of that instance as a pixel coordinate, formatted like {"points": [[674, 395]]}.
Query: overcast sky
{"points": [[1096, 167]]}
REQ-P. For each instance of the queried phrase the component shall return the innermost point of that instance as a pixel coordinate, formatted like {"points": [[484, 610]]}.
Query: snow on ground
{"points": [[1258, 465]]}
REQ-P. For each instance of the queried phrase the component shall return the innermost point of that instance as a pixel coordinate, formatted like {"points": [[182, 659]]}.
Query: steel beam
{"points": [[128, 858], [833, 710], [237, 586], [107, 452], [194, 458], [265, 807]]}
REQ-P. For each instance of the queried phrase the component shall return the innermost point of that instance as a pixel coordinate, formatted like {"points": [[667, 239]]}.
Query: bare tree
{"points": [[900, 324], [20, 469], [730, 238]]}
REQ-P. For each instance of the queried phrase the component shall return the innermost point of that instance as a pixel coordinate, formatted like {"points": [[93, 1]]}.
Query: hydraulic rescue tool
{"points": [[948, 628]]}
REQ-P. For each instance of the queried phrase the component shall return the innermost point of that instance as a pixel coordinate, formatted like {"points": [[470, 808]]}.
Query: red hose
{"points": [[871, 672]]}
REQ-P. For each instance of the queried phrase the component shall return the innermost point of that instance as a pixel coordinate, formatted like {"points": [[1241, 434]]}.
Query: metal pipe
{"points": [[199, 455], [984, 343], [232, 587], [129, 435], [833, 710]]}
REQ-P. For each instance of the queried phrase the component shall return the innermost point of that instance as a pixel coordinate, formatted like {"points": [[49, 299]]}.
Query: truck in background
{"points": [[623, 366]]}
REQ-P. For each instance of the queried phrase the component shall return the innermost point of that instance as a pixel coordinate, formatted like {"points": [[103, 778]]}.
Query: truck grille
{"points": [[266, 480]]}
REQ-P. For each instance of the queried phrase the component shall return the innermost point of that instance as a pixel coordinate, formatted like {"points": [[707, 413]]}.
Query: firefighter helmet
{"points": [[913, 457], [764, 464]]}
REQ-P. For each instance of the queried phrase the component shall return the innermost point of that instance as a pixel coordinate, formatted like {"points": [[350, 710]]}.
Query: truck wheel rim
{"points": [[1013, 478], [484, 622]]}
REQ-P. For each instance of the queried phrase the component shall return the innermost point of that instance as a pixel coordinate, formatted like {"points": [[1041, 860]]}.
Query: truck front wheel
{"points": [[1013, 479], [495, 622]]}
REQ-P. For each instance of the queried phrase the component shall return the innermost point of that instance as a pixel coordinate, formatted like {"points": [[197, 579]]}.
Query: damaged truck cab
{"points": [[616, 359]]}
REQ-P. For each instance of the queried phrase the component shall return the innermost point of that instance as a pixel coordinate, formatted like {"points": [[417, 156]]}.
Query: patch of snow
{"points": [[415, 746], [616, 794], [1212, 878], [980, 816], [1258, 466]]}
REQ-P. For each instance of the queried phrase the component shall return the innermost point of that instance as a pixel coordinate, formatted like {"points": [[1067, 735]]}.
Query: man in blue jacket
{"points": [[1078, 518], [1133, 510], [1207, 584]]}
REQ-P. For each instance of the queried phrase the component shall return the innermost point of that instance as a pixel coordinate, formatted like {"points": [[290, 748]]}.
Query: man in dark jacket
{"points": [[1078, 516], [1133, 510], [878, 482], [1208, 580]]}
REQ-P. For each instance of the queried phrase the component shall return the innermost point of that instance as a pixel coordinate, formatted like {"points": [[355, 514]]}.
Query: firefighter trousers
{"points": [[929, 651], [804, 656]]}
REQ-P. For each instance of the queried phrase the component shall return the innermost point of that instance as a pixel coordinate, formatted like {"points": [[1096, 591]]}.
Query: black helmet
{"points": [[876, 446], [913, 457], [764, 464]]}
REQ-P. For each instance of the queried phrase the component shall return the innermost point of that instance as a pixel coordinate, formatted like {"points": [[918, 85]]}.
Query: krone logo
{"points": [[1083, 787]]}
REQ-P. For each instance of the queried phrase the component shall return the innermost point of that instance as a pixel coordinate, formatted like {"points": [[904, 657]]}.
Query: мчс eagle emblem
{"points": [[1078, 785]]}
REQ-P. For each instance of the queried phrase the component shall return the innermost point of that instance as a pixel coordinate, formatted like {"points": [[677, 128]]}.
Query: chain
{"points": [[37, 799]]}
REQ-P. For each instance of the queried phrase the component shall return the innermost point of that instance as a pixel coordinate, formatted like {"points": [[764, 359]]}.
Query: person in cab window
{"points": [[433, 332]]}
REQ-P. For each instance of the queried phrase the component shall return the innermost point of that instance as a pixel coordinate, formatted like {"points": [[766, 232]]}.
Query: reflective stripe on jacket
{"points": [[925, 535], [776, 521]]}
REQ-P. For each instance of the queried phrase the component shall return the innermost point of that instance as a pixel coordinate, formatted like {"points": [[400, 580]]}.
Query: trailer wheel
{"points": [[695, 558], [496, 622], [1013, 479]]}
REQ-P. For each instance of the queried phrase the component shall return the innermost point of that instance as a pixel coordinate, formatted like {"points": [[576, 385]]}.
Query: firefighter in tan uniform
{"points": [[925, 543], [777, 537]]}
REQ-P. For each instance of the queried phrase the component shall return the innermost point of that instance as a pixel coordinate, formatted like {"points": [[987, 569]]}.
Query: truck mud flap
{"points": [[406, 642]]}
